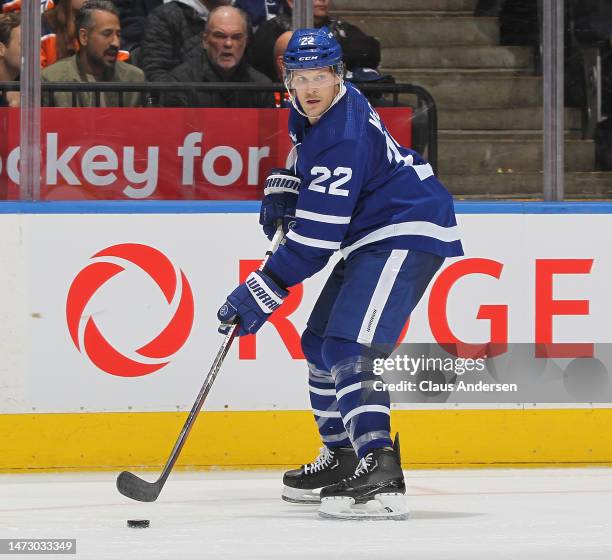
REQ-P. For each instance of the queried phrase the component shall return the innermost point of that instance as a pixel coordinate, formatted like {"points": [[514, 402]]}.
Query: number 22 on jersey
{"points": [[323, 174]]}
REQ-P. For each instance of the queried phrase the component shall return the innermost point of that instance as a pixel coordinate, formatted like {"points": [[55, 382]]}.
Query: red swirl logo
{"points": [[88, 338]]}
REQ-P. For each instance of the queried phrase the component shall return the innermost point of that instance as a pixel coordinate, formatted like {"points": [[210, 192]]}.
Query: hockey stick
{"points": [[135, 487]]}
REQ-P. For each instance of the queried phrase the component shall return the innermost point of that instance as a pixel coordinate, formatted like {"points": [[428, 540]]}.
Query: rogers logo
{"points": [[88, 338]]}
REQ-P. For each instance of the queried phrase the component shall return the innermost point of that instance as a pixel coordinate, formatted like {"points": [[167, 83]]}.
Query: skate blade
{"points": [[301, 496], [385, 506]]}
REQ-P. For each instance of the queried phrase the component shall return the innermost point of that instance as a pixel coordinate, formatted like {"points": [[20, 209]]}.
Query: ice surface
{"points": [[489, 514]]}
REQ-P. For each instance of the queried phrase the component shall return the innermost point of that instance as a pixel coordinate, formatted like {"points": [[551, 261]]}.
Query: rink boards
{"points": [[109, 329]]}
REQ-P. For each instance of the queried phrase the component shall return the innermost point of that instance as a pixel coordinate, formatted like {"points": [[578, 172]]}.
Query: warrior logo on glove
{"points": [[265, 300], [251, 303], [280, 200]]}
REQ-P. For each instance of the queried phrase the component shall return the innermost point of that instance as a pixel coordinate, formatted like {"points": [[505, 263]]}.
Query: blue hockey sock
{"points": [[323, 394], [365, 411], [325, 408]]}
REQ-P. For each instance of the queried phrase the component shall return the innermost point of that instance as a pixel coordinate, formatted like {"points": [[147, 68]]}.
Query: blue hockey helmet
{"points": [[312, 48]]}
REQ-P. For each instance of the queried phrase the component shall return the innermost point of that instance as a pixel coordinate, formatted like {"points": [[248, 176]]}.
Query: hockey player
{"points": [[353, 189]]}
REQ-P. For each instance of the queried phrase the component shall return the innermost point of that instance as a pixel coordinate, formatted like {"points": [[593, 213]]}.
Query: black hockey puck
{"points": [[138, 523]]}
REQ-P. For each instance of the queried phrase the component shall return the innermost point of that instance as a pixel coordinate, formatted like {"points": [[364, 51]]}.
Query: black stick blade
{"points": [[136, 488]]}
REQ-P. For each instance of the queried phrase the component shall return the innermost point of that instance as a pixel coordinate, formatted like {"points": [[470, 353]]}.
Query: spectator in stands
{"points": [[133, 16], [10, 56], [281, 98], [15, 5], [221, 60], [590, 25], [171, 32], [603, 145], [279, 50], [606, 85], [261, 10], [58, 37], [98, 32], [360, 50], [58, 33]]}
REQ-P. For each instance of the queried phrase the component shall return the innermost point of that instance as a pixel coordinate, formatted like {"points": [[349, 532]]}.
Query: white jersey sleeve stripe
{"points": [[311, 242], [325, 218], [423, 171], [426, 229]]}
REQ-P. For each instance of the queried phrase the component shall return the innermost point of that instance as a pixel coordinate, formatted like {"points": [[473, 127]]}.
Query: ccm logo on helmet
{"points": [[303, 58]]}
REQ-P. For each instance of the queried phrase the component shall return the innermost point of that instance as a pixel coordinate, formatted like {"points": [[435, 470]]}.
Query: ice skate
{"points": [[333, 464], [375, 491]]}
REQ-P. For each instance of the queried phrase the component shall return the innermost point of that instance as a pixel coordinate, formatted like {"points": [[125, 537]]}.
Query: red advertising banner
{"points": [[158, 154]]}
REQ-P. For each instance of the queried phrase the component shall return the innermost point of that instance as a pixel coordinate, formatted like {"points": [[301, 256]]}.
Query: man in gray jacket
{"points": [[98, 32], [220, 60]]}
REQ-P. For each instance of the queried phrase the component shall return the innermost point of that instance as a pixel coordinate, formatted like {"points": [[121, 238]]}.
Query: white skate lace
{"points": [[363, 467], [323, 460]]}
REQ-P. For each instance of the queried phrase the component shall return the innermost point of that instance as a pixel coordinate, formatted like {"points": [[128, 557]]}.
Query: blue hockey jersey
{"points": [[360, 191]]}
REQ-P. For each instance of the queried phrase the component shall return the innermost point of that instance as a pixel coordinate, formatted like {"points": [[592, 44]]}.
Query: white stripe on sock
{"points": [[318, 391], [366, 408], [326, 413], [348, 389]]}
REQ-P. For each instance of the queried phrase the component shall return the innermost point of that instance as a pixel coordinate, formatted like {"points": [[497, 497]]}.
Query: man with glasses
{"points": [[221, 60]]}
